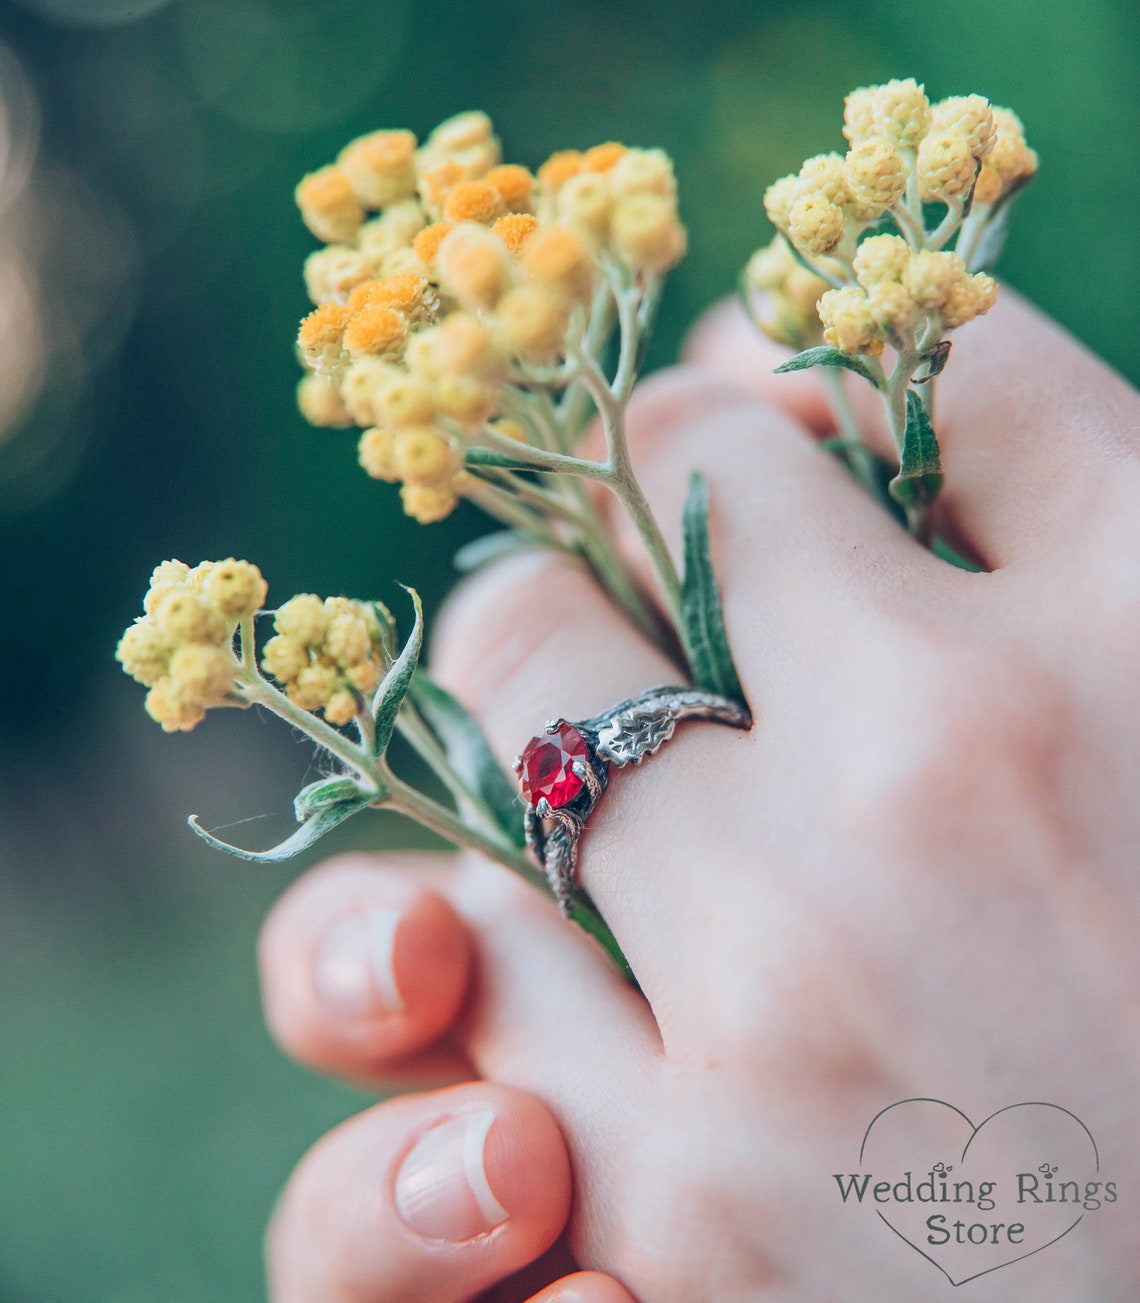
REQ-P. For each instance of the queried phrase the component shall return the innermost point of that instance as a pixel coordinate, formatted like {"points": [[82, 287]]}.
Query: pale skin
{"points": [[917, 875]]}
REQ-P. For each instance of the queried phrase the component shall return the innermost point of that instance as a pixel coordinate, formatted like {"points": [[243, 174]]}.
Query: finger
{"points": [[585, 1287], [534, 639], [1033, 427], [424, 1199], [363, 969]]}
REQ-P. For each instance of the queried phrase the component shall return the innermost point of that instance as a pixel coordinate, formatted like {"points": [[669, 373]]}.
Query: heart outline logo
{"points": [[974, 1132]]}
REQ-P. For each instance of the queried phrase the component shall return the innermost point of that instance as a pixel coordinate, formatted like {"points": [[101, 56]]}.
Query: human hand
{"points": [[914, 877]]}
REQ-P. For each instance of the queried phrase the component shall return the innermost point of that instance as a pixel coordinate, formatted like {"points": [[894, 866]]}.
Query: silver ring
{"points": [[563, 772]]}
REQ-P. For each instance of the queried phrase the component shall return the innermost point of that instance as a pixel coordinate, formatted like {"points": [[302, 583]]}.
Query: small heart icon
{"points": [[974, 1198]]}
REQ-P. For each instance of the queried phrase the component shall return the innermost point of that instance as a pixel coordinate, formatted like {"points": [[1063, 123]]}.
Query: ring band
{"points": [[564, 771]]}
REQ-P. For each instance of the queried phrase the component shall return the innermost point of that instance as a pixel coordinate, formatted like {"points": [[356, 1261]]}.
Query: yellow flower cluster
{"points": [[327, 654], [786, 306], [471, 269], [894, 132], [900, 295], [182, 648]]}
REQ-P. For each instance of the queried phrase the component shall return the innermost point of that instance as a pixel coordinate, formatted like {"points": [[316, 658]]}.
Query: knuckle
{"points": [[974, 735], [498, 621]]}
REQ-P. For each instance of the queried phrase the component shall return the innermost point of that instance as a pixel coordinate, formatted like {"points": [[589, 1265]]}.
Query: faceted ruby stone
{"points": [[545, 769]]}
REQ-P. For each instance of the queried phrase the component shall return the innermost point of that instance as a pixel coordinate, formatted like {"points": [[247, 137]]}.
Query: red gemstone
{"points": [[546, 766]]}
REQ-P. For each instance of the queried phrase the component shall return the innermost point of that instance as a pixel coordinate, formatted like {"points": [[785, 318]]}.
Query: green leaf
{"points": [[468, 753], [942, 549], [503, 461], [920, 473], [323, 793], [311, 830], [712, 663], [394, 686], [490, 547], [824, 356]]}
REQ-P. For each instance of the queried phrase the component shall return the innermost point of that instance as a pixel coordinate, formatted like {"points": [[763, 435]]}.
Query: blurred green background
{"points": [[149, 291]]}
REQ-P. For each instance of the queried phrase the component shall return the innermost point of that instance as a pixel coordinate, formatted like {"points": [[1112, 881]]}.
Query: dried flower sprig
{"points": [[465, 320], [465, 328], [881, 249]]}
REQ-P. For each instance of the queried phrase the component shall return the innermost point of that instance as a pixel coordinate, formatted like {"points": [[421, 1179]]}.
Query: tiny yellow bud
{"points": [[435, 183], [601, 158], [185, 616], [424, 456], [511, 430], [361, 387], [328, 205], [891, 306], [376, 331], [465, 398], [461, 344], [426, 245], [377, 454], [514, 184], [333, 272], [313, 686], [778, 201], [166, 576], [347, 640], [556, 257], [473, 265], [973, 296], [427, 505], [1011, 157], [204, 672], [859, 114], [380, 167], [643, 171], [515, 229], [585, 202], [364, 676], [403, 291], [558, 169], [848, 323], [321, 335], [881, 258], [645, 233], [473, 201], [284, 657], [930, 277], [970, 114], [825, 175], [461, 132], [405, 400], [236, 588], [531, 323], [901, 112], [946, 165], [876, 176], [143, 653], [341, 707], [168, 704], [815, 225], [304, 618], [321, 404]]}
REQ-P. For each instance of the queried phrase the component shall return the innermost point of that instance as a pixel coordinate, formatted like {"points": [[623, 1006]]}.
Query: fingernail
{"points": [[442, 1190], [354, 972]]}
